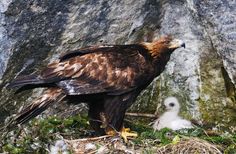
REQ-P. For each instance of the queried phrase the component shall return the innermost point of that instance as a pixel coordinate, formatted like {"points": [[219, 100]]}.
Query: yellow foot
{"points": [[125, 133], [111, 132]]}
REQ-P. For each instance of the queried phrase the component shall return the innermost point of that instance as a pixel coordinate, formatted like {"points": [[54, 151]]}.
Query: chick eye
{"points": [[171, 104]]}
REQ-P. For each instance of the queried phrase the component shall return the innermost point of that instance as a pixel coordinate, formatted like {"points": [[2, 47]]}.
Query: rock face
{"points": [[5, 41], [202, 76]]}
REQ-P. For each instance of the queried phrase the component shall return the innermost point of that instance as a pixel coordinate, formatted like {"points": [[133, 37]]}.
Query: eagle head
{"points": [[163, 46]]}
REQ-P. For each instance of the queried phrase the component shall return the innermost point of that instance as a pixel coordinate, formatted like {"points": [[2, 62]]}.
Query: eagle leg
{"points": [[107, 115], [96, 121]]}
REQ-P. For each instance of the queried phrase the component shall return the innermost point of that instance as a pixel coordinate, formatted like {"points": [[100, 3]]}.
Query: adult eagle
{"points": [[108, 78]]}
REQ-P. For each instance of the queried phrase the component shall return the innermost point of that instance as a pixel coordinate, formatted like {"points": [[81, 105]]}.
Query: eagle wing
{"points": [[103, 48], [113, 70], [83, 51], [79, 87]]}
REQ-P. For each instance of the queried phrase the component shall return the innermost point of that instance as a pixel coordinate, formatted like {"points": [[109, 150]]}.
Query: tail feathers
{"points": [[51, 96], [26, 80]]}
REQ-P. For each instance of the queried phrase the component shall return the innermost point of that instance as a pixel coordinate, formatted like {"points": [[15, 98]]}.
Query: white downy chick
{"points": [[170, 118]]}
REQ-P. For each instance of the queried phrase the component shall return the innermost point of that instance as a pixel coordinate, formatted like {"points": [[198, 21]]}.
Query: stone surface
{"points": [[202, 76], [5, 41]]}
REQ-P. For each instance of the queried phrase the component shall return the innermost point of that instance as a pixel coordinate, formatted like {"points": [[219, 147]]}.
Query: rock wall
{"points": [[5, 41], [202, 75]]}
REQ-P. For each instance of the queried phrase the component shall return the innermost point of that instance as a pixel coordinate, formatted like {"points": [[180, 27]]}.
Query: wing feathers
{"points": [[73, 87], [104, 48], [50, 96], [25, 80], [78, 52]]}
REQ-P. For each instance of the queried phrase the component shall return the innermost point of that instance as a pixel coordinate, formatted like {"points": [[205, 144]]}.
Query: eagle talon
{"points": [[111, 132], [125, 133]]}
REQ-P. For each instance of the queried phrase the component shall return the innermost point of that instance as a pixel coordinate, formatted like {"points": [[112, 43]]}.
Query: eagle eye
{"points": [[172, 104]]}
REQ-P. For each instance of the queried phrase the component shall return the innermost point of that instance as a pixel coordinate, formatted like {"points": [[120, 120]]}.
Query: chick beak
{"points": [[176, 43]]}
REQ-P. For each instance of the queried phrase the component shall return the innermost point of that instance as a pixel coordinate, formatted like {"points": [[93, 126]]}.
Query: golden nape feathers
{"points": [[163, 45]]}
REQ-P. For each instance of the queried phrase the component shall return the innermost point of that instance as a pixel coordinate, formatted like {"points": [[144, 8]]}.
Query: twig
{"points": [[89, 139], [92, 152], [141, 115]]}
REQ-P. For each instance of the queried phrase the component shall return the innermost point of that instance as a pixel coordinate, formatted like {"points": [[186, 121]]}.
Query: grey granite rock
{"points": [[202, 76]]}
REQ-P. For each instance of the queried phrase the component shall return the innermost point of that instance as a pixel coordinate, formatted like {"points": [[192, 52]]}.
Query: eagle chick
{"points": [[170, 118]]}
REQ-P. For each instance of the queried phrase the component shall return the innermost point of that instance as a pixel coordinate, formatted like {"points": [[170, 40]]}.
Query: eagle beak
{"points": [[176, 43]]}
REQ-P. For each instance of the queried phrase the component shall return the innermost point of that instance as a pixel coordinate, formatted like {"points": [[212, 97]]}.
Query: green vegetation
{"points": [[36, 136], [227, 142]]}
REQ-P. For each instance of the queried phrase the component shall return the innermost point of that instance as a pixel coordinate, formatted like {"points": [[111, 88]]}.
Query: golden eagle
{"points": [[108, 78]]}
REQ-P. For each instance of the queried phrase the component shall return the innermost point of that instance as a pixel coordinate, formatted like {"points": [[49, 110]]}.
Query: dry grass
{"points": [[112, 144], [189, 146]]}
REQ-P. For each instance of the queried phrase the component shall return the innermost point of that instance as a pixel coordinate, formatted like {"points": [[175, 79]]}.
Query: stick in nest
{"points": [[88, 139], [141, 115]]}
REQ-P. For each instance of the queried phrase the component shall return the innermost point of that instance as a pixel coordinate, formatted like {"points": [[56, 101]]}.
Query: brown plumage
{"points": [[108, 78]]}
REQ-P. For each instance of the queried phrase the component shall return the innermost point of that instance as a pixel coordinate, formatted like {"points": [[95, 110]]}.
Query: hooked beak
{"points": [[176, 43]]}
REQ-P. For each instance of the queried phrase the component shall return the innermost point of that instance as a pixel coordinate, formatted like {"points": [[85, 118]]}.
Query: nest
{"points": [[98, 145], [190, 145], [108, 144]]}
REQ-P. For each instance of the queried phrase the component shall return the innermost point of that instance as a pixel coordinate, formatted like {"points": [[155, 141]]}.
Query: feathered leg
{"points": [[115, 109], [95, 113], [107, 115]]}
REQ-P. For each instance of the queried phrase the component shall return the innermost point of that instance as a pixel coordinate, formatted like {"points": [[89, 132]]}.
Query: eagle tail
{"points": [[32, 79], [51, 96]]}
